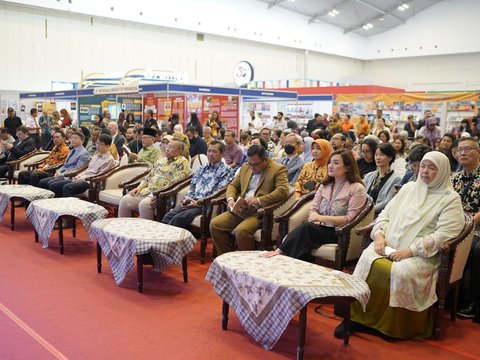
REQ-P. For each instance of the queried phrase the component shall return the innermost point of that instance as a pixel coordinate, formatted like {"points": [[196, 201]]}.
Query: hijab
{"points": [[307, 152], [326, 149], [417, 203]]}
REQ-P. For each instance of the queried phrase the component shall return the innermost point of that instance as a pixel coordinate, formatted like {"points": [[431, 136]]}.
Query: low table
{"points": [[27, 193], [45, 213], [123, 238], [267, 292]]}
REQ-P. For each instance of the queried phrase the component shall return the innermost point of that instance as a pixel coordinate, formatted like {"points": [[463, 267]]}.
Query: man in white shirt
{"points": [[255, 125], [33, 127]]}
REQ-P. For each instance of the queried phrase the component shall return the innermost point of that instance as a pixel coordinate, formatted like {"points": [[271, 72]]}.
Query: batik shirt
{"points": [[164, 173], [468, 187], [57, 156], [208, 179]]}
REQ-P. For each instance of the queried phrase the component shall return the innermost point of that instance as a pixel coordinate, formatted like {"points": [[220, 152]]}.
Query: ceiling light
{"points": [[291, 0], [333, 13], [367, 26], [403, 7]]}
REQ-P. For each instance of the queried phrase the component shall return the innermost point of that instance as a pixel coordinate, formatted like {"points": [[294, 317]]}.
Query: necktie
{"points": [[287, 160], [71, 154]]}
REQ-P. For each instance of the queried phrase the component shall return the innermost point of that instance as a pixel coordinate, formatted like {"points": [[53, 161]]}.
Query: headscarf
{"points": [[326, 149], [307, 152], [417, 203]]}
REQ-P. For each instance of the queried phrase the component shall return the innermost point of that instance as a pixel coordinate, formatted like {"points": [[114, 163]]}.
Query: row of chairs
{"points": [[276, 220]]}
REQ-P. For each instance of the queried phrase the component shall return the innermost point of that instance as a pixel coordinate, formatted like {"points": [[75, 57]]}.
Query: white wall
{"points": [[431, 73]]}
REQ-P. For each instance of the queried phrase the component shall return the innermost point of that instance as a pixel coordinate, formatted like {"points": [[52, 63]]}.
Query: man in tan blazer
{"points": [[261, 182]]}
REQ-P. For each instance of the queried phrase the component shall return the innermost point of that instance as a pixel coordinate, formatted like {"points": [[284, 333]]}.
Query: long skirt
{"points": [[392, 321], [301, 241]]}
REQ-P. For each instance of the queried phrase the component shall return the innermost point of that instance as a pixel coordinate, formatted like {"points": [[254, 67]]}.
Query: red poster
{"points": [[227, 107], [149, 103]]}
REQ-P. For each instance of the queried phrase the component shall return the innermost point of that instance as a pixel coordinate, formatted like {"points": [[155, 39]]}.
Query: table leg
{"points": [[301, 333], [99, 258], [225, 308], [74, 227], [12, 214], [36, 236], [346, 324], [60, 233], [140, 273], [184, 268]]}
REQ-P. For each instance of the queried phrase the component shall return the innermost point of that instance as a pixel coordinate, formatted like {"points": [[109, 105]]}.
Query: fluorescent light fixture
{"points": [[333, 13], [403, 7], [291, 0], [367, 26]]}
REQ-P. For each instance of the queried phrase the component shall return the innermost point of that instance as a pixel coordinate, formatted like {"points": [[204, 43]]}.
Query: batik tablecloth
{"points": [[267, 292], [44, 213], [123, 238], [27, 192]]}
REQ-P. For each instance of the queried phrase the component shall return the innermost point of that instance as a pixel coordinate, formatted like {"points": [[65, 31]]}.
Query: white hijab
{"points": [[418, 203]]}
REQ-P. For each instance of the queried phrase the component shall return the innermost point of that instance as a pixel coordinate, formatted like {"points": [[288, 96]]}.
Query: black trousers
{"points": [[472, 272], [181, 217], [305, 238]]}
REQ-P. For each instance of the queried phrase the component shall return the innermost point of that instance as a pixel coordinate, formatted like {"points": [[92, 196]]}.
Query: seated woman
{"points": [[380, 184], [366, 163], [315, 171], [423, 215], [339, 199], [400, 163]]}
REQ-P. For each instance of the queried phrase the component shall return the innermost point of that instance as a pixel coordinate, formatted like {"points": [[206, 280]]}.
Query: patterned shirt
{"points": [[208, 179], [309, 178], [46, 123], [164, 173], [57, 156], [149, 155], [468, 186]]}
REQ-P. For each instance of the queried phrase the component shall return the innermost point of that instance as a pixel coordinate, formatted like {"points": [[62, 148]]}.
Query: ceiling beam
{"points": [[323, 13], [383, 13], [274, 3]]}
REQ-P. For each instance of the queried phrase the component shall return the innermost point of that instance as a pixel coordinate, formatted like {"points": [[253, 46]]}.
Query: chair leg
{"points": [[453, 310], [140, 273], [203, 247]]}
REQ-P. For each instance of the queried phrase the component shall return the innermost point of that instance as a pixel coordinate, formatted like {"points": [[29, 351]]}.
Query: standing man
{"points": [[12, 122], [292, 161], [20, 147], [467, 184], [261, 182], [150, 122], [233, 153], [47, 125], [280, 122], [255, 124], [316, 123], [57, 156], [168, 170], [34, 127], [208, 179]]}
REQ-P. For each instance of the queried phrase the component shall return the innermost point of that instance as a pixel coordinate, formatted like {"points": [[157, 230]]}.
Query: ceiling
{"points": [[352, 15]]}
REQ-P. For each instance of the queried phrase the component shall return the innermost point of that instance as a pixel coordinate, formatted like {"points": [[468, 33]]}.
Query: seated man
{"points": [[5, 138], [57, 156], [76, 159], [233, 152], [261, 182], [101, 162], [166, 171], [149, 152], [292, 161], [197, 144], [467, 184], [208, 179], [24, 145]]}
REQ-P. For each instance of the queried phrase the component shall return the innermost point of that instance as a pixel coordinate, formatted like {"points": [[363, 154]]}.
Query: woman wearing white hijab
{"points": [[415, 223]]}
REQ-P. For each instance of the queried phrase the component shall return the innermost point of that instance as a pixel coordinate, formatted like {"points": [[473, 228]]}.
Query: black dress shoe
{"points": [[19, 204], [340, 329], [468, 311]]}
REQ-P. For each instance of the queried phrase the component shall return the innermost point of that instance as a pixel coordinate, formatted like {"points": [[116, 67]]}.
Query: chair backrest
{"points": [[198, 161], [181, 193], [35, 157], [460, 249], [280, 210], [363, 218], [125, 173]]}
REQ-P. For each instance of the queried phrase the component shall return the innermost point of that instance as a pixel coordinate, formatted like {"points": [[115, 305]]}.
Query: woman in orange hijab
{"points": [[313, 172]]}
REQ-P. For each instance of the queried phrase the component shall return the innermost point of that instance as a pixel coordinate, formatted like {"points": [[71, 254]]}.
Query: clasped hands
{"points": [[398, 255]]}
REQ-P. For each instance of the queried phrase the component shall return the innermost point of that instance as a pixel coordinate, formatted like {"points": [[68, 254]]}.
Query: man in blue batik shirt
{"points": [[208, 179]]}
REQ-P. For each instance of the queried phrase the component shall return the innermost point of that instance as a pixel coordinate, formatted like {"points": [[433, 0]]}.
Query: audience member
{"points": [[366, 162], [197, 144], [12, 122], [417, 152], [149, 153], [214, 123], [431, 131], [5, 139], [292, 160], [22, 146], [233, 153]]}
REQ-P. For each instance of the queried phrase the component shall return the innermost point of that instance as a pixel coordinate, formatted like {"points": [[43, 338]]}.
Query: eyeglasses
{"points": [[466, 149], [255, 164], [366, 151]]}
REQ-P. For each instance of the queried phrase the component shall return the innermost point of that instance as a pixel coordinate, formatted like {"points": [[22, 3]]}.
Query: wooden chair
{"points": [[348, 248], [109, 188], [453, 255], [197, 161], [22, 163], [169, 197]]}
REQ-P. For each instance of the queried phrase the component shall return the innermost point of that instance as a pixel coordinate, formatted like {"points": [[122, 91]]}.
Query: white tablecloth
{"points": [[44, 213], [267, 292], [27, 192], [123, 238]]}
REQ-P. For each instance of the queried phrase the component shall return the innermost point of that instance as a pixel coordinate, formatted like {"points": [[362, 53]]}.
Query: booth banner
{"points": [[227, 108], [150, 103], [163, 107], [89, 106], [132, 105], [194, 105]]}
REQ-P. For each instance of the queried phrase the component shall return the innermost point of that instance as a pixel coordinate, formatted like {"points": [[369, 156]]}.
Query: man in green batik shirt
{"points": [[149, 152]]}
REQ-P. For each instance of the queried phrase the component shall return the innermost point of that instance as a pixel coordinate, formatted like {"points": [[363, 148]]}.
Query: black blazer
{"points": [[21, 148]]}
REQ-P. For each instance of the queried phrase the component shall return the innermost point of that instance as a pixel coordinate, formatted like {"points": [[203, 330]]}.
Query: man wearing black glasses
{"points": [[467, 184]]}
